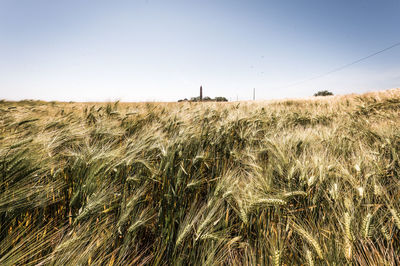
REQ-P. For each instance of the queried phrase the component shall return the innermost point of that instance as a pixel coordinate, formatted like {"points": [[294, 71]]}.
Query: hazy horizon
{"points": [[164, 50]]}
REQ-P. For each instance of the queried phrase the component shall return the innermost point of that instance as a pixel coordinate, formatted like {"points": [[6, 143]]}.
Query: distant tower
{"points": [[201, 93], [254, 94]]}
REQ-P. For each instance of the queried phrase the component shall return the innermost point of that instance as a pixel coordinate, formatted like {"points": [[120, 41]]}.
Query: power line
{"points": [[344, 66]]}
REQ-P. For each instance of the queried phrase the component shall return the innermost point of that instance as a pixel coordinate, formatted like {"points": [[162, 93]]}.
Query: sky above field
{"points": [[163, 50]]}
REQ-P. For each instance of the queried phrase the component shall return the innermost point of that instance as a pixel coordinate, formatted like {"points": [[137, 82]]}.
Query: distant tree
{"points": [[220, 99], [207, 99], [323, 93]]}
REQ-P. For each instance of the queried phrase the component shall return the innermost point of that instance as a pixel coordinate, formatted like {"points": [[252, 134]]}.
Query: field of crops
{"points": [[312, 182]]}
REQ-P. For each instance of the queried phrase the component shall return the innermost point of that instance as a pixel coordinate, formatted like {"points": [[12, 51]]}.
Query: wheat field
{"points": [[309, 182]]}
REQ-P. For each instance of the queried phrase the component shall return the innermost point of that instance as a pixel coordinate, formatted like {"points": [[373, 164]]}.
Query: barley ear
{"points": [[347, 226], [309, 256], [366, 227], [314, 243], [396, 217], [277, 257]]}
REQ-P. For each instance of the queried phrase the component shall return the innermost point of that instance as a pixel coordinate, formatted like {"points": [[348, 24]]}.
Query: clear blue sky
{"points": [[165, 49]]}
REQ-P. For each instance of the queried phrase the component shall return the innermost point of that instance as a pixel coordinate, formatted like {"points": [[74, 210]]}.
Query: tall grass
{"points": [[254, 183]]}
